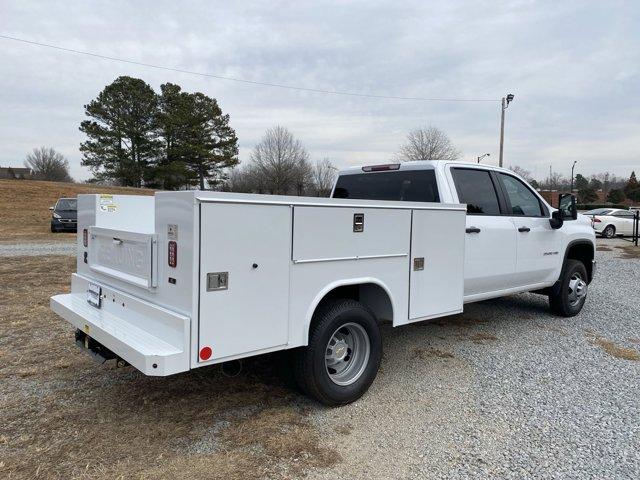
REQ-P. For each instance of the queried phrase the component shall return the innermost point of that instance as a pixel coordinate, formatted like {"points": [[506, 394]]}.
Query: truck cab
{"points": [[513, 242]]}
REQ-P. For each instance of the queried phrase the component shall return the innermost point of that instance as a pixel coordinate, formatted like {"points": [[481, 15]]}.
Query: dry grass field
{"points": [[24, 207], [64, 416]]}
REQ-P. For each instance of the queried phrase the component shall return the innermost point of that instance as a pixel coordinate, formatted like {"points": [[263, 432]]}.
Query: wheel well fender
{"points": [[583, 251], [371, 292]]}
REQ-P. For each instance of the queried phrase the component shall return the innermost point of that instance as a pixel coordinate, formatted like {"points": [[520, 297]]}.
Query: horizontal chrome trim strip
{"points": [[340, 259]]}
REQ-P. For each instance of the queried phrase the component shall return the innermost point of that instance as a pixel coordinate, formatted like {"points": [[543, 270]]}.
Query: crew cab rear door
{"points": [[490, 243]]}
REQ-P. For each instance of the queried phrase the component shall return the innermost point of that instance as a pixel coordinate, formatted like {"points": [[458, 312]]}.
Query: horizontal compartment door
{"points": [[127, 256], [345, 233]]}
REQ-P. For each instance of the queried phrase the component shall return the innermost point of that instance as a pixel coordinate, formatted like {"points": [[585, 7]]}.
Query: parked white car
{"points": [[613, 221]]}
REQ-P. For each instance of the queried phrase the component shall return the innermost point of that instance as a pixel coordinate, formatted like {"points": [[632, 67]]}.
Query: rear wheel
{"points": [[569, 298], [343, 355], [609, 231]]}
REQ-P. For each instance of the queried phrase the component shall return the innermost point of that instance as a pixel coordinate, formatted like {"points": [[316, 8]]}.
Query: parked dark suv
{"points": [[64, 216]]}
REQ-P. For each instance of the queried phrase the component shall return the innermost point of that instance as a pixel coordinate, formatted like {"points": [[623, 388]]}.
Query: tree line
{"points": [[615, 189], [175, 139]]}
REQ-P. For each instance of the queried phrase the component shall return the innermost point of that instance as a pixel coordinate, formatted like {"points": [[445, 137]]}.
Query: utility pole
{"points": [[505, 104], [572, 167]]}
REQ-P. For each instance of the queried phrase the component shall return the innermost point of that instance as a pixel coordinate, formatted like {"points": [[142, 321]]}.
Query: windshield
{"points": [[598, 211], [408, 186], [67, 204]]}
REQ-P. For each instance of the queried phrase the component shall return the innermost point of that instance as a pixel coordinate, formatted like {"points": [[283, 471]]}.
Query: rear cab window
{"points": [[475, 187], [399, 185]]}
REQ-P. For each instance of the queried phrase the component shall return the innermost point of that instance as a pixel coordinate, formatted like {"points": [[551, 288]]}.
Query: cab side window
{"points": [[523, 201], [475, 188]]}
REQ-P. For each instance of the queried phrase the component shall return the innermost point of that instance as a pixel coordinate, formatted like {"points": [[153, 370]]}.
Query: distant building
{"points": [[551, 196], [13, 173]]}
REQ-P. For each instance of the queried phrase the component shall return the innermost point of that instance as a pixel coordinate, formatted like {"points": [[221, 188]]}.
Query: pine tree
{"points": [[122, 138], [632, 188], [198, 142]]}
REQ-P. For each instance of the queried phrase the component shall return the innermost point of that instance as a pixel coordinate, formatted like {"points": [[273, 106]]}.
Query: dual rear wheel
{"points": [[343, 355]]}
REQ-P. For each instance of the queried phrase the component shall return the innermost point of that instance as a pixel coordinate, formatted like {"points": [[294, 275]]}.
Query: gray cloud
{"points": [[573, 66]]}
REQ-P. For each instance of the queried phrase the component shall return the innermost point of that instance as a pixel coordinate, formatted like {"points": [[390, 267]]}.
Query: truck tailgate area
{"points": [[151, 338]]}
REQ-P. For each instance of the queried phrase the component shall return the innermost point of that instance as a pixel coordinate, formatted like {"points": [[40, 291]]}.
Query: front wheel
{"points": [[343, 355], [569, 298]]}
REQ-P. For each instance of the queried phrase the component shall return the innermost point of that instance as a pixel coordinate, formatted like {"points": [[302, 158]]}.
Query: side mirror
{"points": [[567, 206], [556, 221]]}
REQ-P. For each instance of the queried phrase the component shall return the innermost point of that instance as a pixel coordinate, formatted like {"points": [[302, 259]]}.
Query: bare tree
{"points": [[323, 176], [429, 143], [523, 172], [280, 163], [47, 164]]}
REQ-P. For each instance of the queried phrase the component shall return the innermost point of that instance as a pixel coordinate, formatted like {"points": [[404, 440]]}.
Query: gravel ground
{"points": [[34, 249], [505, 390]]}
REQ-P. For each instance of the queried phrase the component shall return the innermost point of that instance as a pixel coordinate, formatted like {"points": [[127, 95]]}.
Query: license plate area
{"points": [[94, 295]]}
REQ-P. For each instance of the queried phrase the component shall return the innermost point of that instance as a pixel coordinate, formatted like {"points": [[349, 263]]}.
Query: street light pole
{"points": [[505, 104], [572, 167], [482, 156]]}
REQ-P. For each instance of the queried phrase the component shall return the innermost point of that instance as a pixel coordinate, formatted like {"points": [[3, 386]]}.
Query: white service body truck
{"points": [[181, 280]]}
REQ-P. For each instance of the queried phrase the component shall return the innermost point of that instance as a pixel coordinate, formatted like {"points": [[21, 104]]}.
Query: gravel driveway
{"points": [[504, 391], [34, 249]]}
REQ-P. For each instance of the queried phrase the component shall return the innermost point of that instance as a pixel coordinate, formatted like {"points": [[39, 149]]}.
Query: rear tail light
{"points": [[596, 220], [85, 238], [381, 168], [173, 254]]}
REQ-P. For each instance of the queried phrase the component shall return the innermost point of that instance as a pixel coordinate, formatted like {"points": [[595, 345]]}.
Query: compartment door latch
{"points": [[217, 281]]}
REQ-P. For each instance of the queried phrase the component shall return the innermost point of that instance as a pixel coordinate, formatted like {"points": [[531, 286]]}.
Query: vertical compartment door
{"points": [[245, 255], [437, 263]]}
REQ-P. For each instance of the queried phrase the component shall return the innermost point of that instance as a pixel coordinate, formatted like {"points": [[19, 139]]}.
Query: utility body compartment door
{"points": [[437, 263], [245, 255]]}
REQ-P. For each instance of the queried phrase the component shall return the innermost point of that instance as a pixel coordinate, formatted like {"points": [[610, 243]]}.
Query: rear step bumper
{"points": [[152, 339]]}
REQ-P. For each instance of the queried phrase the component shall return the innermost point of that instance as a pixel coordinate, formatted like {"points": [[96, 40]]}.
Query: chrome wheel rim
{"points": [[347, 354], [577, 289]]}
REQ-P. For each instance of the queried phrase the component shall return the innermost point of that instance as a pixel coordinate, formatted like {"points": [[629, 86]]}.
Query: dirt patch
{"points": [[604, 249], [481, 338], [24, 207], [613, 349], [64, 416], [424, 353], [628, 251]]}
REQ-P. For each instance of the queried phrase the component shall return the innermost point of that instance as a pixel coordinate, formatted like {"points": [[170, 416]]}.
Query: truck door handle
{"points": [[473, 230], [524, 229]]}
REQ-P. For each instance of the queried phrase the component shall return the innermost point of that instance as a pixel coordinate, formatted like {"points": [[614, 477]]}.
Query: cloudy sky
{"points": [[574, 67]]}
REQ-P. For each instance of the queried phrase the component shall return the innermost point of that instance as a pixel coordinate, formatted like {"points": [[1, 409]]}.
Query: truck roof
{"points": [[414, 165]]}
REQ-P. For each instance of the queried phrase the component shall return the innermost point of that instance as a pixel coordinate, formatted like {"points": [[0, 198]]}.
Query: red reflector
{"points": [[85, 237], [173, 254], [205, 353], [381, 168]]}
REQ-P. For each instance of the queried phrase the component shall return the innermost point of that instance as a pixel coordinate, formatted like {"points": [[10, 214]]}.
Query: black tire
{"points": [[311, 371], [53, 229], [609, 231], [569, 298]]}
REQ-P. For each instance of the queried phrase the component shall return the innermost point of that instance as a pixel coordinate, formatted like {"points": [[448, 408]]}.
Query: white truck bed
{"points": [[250, 270]]}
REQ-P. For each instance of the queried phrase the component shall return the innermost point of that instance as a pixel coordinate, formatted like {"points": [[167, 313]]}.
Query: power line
{"points": [[242, 80]]}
